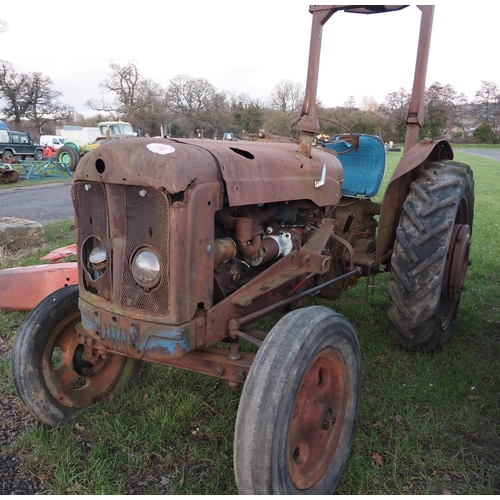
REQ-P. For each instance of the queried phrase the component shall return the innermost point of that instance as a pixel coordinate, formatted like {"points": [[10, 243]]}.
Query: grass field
{"points": [[428, 423]]}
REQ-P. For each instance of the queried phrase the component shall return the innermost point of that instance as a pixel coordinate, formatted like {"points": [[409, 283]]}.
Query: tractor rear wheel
{"points": [[431, 255], [298, 409], [52, 372], [68, 156]]}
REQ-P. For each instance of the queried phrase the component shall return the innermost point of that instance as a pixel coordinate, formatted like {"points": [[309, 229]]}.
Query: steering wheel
{"points": [[350, 137]]}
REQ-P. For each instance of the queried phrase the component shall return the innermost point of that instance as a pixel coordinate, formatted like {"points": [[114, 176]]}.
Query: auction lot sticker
{"points": [[160, 149]]}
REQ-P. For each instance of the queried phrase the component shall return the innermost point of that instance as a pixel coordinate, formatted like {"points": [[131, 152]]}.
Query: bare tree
{"points": [[287, 96], [150, 106], [103, 106], [394, 107], [487, 99], [13, 90], [123, 82], [42, 101], [29, 95], [219, 113], [368, 103], [350, 103], [190, 99], [462, 113], [396, 100]]}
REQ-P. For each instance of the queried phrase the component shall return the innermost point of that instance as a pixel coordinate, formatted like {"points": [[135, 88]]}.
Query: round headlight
{"points": [[98, 254], [94, 257], [146, 268]]}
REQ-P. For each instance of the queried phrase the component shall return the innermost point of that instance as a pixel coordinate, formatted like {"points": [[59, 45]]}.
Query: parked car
{"points": [[56, 141], [19, 144]]}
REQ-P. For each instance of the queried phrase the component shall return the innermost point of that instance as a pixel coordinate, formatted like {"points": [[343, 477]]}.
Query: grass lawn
{"points": [[428, 423]]}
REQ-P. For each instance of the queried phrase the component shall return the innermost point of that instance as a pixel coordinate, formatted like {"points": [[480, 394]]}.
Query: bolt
{"points": [[329, 420], [219, 371], [240, 376]]}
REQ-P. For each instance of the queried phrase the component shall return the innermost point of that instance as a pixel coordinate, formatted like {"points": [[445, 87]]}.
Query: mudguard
{"points": [[399, 185]]}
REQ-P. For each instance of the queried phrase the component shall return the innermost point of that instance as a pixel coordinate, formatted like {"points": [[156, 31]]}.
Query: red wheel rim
{"points": [[455, 271], [317, 419], [70, 378]]}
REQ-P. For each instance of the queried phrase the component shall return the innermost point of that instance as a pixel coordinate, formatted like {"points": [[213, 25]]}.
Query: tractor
{"points": [[70, 153], [184, 244]]}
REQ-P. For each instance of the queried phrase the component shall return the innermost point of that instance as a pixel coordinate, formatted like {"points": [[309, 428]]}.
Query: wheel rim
{"points": [[317, 419], [65, 158], [455, 272], [67, 371]]}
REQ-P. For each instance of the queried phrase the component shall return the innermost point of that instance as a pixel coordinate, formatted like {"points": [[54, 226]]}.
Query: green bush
{"points": [[484, 134]]}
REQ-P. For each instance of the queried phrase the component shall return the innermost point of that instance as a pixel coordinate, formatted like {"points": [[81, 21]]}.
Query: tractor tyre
{"points": [[50, 369], [68, 156], [431, 256], [298, 409]]}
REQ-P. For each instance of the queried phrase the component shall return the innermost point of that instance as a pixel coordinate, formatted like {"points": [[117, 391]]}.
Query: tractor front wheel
{"points": [[431, 256], [298, 409], [54, 375]]}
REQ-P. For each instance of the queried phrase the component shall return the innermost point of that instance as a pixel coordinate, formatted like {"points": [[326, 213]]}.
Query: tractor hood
{"points": [[252, 172]]}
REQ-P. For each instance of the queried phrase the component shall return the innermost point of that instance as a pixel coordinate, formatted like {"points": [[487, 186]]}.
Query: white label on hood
{"points": [[160, 149]]}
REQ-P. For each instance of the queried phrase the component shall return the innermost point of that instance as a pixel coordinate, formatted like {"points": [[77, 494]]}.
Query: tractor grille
{"points": [[89, 200], [141, 220], [146, 225]]}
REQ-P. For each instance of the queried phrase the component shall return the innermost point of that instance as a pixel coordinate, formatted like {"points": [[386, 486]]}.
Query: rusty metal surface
{"points": [[129, 335], [159, 163], [186, 259], [264, 172], [271, 285], [158, 343], [253, 172], [399, 185], [457, 263], [317, 419], [416, 108], [77, 377], [22, 288]]}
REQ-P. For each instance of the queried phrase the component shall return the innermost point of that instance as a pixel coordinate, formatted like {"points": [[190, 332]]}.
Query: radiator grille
{"points": [[147, 213], [89, 200]]}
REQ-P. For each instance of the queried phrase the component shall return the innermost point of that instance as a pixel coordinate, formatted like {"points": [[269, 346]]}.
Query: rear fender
{"points": [[399, 185]]}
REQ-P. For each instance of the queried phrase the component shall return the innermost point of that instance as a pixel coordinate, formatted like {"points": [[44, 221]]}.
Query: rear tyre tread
{"points": [[435, 203]]}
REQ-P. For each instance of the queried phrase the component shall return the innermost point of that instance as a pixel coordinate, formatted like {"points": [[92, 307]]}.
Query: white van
{"points": [[56, 141]]}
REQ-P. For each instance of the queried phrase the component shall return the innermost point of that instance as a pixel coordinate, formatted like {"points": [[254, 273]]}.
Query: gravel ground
{"points": [[12, 480], [14, 418]]}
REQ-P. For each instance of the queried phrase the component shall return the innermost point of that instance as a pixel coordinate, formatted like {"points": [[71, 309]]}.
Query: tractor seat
{"points": [[364, 167]]}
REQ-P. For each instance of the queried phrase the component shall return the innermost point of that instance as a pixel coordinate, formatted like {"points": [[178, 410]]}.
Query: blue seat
{"points": [[364, 167]]}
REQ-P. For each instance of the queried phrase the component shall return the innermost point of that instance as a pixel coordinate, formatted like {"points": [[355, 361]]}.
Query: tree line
{"points": [[190, 107]]}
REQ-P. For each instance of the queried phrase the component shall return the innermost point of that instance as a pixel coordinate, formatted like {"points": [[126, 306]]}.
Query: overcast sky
{"points": [[247, 46]]}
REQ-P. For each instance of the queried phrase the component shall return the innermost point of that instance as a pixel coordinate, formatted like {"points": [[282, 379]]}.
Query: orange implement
{"points": [[60, 253], [22, 288]]}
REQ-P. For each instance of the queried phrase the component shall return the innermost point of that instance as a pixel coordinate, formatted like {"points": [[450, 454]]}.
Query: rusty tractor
{"points": [[182, 245]]}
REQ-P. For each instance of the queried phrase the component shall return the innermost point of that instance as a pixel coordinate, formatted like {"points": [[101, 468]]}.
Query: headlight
{"points": [[98, 254], [94, 257], [146, 268]]}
